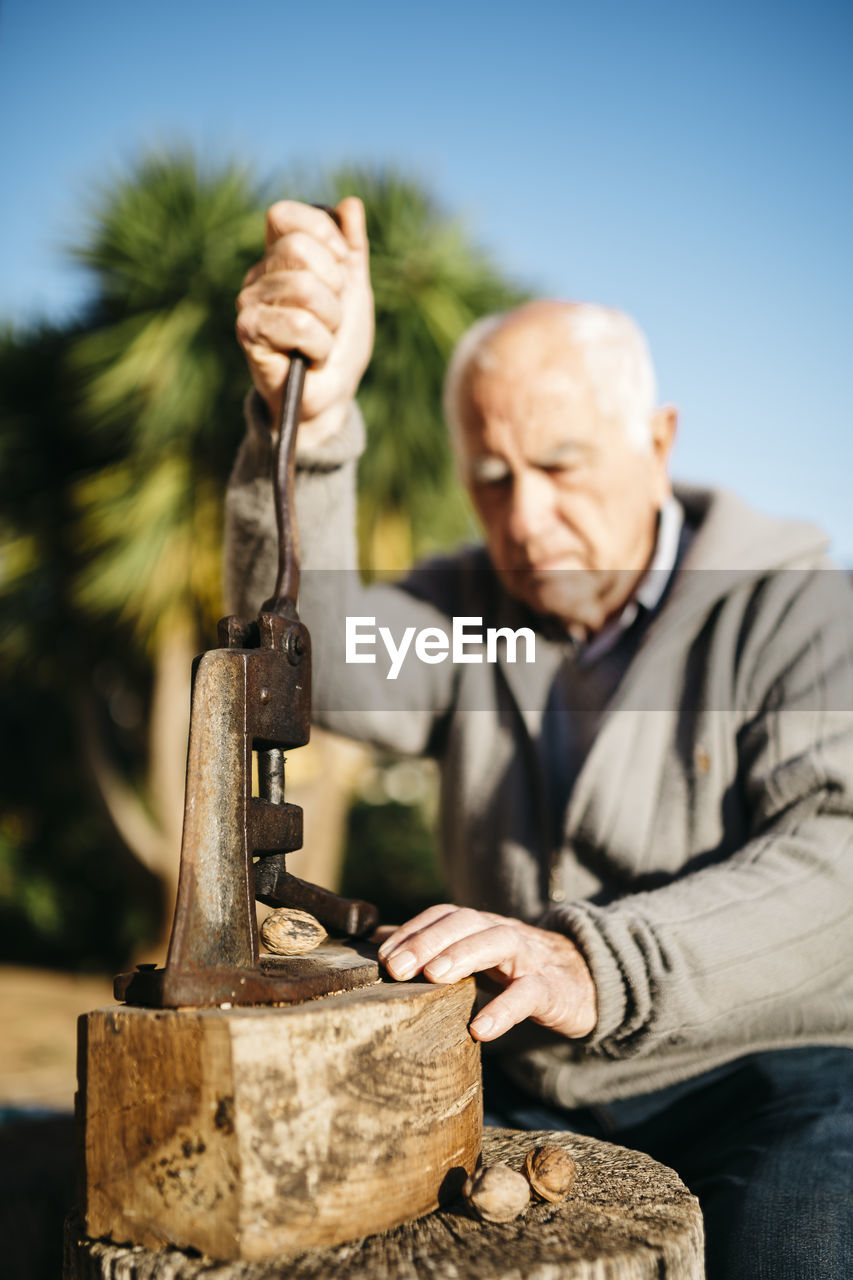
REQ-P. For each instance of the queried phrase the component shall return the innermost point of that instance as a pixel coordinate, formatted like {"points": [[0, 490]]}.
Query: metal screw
{"points": [[295, 647]]}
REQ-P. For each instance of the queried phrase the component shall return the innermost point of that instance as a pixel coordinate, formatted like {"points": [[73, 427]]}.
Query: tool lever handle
{"points": [[286, 591], [276, 887]]}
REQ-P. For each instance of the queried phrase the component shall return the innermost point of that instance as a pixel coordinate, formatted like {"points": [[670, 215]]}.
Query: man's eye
{"points": [[559, 469]]}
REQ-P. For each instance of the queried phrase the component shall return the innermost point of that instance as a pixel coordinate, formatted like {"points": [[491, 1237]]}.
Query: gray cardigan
{"points": [[704, 865]]}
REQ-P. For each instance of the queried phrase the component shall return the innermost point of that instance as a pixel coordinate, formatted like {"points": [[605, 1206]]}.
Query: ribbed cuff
{"points": [[345, 445], [578, 923]]}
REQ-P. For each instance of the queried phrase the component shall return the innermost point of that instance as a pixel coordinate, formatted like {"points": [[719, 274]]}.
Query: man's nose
{"points": [[531, 511]]}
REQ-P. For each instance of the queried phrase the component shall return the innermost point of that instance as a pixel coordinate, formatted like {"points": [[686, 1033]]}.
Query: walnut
{"points": [[288, 932], [551, 1172], [497, 1193]]}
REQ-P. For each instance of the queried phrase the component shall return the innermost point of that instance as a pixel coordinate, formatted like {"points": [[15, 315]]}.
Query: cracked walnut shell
{"points": [[551, 1172]]}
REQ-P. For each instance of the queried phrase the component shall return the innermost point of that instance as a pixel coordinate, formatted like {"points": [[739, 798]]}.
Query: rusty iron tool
{"points": [[250, 695]]}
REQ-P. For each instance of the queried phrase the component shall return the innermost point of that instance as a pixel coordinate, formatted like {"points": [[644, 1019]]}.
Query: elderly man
{"points": [[646, 831]]}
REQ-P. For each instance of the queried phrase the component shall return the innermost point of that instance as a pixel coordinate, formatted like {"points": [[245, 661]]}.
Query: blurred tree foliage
{"points": [[117, 433], [69, 891], [162, 378]]}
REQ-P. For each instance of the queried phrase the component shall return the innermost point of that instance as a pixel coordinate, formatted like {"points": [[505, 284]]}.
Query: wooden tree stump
{"points": [[254, 1132], [628, 1218]]}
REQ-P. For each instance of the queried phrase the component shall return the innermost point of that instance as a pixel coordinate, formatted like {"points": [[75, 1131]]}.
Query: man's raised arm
{"points": [[311, 292]]}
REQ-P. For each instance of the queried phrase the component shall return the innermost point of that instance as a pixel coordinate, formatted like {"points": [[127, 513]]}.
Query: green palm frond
{"points": [[150, 554], [172, 229], [142, 373], [161, 375]]}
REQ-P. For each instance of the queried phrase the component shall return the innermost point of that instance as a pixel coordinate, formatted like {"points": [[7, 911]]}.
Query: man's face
{"points": [[568, 505]]}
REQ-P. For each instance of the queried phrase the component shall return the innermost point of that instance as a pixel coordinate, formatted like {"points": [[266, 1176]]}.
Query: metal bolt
{"points": [[295, 647]]}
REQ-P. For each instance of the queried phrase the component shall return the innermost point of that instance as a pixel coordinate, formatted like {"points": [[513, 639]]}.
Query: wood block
{"points": [[250, 1133]]}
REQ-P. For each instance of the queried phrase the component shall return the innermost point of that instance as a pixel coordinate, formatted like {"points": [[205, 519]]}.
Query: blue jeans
{"points": [[765, 1143]]}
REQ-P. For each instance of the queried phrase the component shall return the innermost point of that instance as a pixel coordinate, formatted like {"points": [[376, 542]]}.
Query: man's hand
{"points": [[544, 974], [310, 293]]}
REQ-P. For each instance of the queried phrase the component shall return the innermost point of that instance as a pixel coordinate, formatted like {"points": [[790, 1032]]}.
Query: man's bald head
{"points": [[553, 413], [580, 345]]}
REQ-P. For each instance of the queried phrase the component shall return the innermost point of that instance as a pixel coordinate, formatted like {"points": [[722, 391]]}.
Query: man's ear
{"points": [[664, 424], [664, 427]]}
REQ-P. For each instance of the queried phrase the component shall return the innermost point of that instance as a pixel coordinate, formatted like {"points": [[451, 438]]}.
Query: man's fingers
{"points": [[490, 947], [298, 252], [428, 936], [354, 224], [420, 921], [545, 998], [286, 216], [294, 289], [399, 939], [527, 997], [550, 998], [283, 329]]}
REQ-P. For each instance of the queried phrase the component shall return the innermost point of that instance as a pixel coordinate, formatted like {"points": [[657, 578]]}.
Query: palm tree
{"points": [[62, 867], [162, 379], [148, 410]]}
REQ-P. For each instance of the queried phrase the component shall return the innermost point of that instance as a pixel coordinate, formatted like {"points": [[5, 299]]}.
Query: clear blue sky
{"points": [[690, 163]]}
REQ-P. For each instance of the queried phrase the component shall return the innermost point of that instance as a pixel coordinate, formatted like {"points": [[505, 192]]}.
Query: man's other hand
{"points": [[311, 293], [544, 975]]}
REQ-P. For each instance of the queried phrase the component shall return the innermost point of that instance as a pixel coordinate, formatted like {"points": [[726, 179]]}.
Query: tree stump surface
{"points": [[628, 1218]]}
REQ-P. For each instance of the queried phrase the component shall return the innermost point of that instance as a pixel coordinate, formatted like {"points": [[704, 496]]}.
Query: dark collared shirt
{"points": [[590, 672]]}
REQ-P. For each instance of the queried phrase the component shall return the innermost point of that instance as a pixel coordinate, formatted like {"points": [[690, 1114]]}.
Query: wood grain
{"points": [[627, 1218], [254, 1132]]}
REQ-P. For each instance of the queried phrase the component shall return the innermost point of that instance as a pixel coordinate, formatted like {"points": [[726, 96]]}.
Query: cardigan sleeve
{"points": [[756, 948], [357, 699]]}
